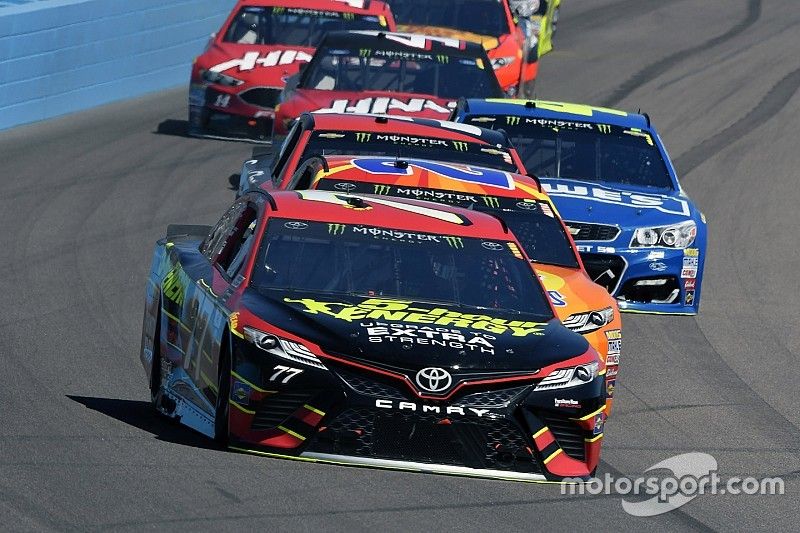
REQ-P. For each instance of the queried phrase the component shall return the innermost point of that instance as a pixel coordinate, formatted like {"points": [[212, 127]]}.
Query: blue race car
{"points": [[639, 234]]}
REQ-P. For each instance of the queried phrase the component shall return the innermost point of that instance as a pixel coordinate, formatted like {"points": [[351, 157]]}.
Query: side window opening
{"points": [[234, 248]]}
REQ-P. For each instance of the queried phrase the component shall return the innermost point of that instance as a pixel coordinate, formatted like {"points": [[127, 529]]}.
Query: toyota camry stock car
{"points": [[370, 331], [512, 50], [583, 306], [608, 172], [387, 73], [236, 82], [395, 136]]}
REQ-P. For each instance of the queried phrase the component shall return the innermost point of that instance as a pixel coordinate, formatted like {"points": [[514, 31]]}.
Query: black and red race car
{"points": [[387, 73], [236, 82], [370, 331], [371, 135]]}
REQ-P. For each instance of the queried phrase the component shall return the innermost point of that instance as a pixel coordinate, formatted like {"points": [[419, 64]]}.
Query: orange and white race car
{"points": [[514, 53], [582, 305]]}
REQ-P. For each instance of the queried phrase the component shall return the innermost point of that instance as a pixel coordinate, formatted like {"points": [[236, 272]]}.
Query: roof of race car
{"points": [[362, 7], [425, 174], [409, 126], [401, 42], [556, 110], [393, 213]]}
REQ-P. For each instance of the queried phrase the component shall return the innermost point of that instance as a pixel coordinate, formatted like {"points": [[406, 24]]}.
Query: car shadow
{"points": [[141, 415], [233, 181], [176, 128]]}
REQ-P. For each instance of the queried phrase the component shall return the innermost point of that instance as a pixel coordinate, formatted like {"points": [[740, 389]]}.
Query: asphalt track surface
{"points": [[83, 198]]}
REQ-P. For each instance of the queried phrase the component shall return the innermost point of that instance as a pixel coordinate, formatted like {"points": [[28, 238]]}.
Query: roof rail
{"points": [[272, 204], [499, 219], [646, 119]]}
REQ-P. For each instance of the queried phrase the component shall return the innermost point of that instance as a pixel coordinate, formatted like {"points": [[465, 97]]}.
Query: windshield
{"points": [[533, 222], [365, 69], [334, 258], [294, 26], [584, 151], [484, 17], [407, 147]]}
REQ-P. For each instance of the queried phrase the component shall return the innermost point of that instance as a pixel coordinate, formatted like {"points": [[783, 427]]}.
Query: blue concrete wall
{"points": [[60, 56]]}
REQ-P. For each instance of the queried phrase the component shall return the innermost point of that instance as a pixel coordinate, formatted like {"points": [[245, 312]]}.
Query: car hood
{"points": [[617, 204], [571, 290], [269, 65], [406, 335], [377, 102], [488, 42]]}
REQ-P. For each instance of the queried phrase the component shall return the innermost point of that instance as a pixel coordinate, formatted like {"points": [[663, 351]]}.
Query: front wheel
{"points": [[222, 406]]}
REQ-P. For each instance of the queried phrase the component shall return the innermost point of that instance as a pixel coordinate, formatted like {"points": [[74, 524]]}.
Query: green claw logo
{"points": [[604, 128], [491, 201], [365, 52], [381, 189], [363, 137], [460, 146], [336, 229], [512, 121], [455, 242]]}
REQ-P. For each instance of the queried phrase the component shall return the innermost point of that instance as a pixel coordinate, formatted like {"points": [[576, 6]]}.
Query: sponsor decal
{"points": [[460, 146], [381, 332], [515, 250], [344, 186], [363, 137], [604, 128], [690, 284], [689, 299], [513, 121], [611, 384], [465, 173], [690, 262], [240, 392], [557, 298], [493, 246], [554, 123], [665, 204], [433, 379], [454, 242], [655, 255], [424, 42], [691, 252], [381, 189], [172, 287], [409, 140], [406, 236], [223, 100], [658, 267], [567, 402], [491, 201], [336, 229], [251, 60], [612, 359], [433, 409], [382, 105], [606, 250], [333, 135], [689, 272], [295, 224], [407, 312], [599, 420], [527, 205], [612, 371], [614, 339]]}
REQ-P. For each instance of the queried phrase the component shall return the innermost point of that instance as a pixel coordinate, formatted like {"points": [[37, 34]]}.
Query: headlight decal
{"points": [[283, 348], [679, 236], [589, 321], [565, 378]]}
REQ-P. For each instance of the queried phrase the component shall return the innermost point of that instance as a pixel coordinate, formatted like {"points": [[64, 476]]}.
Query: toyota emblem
{"points": [[528, 206], [434, 379], [492, 245], [295, 225], [346, 187]]}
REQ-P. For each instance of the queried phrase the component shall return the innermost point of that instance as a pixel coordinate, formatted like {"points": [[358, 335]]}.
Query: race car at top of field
{"points": [[512, 47], [639, 234], [372, 331], [518, 201], [236, 82], [387, 73], [395, 136]]}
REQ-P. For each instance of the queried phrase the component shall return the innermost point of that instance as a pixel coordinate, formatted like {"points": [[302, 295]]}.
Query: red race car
{"points": [[236, 81], [512, 50], [387, 73], [370, 135]]}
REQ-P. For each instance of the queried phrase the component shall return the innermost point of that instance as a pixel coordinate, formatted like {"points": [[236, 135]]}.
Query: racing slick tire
{"points": [[155, 369], [527, 90], [222, 405], [554, 22]]}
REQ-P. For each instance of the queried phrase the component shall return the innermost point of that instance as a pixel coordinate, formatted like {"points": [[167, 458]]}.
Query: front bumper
{"points": [[347, 415], [647, 280]]}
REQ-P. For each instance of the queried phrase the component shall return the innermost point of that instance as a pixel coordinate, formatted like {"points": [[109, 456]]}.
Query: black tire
{"points": [[554, 23], [222, 406]]}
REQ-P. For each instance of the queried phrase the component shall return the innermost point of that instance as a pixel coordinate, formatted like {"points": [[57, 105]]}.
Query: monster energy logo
{"points": [[461, 146], [512, 121], [454, 242], [336, 229], [491, 201], [381, 189], [441, 58], [604, 128], [365, 52], [349, 16], [278, 9], [363, 137]]}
